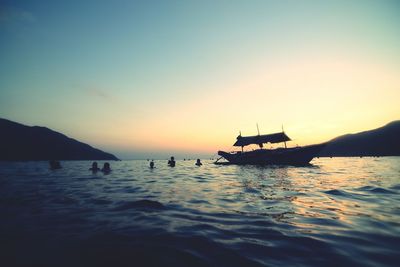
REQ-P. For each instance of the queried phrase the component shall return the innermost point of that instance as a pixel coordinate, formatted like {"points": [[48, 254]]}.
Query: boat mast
{"points": [[258, 130], [283, 131], [240, 134]]}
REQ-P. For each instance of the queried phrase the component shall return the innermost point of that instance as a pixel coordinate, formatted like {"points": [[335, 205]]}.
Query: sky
{"points": [[154, 78]]}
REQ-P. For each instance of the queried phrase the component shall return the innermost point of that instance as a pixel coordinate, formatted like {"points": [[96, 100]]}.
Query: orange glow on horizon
{"points": [[316, 100]]}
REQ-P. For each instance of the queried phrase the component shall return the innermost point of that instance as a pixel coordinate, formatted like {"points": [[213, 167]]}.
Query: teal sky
{"points": [[113, 73]]}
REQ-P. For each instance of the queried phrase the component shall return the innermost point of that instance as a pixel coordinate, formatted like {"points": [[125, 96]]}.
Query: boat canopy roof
{"points": [[261, 139]]}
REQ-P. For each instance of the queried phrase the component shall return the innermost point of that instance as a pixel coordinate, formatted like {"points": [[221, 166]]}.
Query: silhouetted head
{"points": [[171, 162], [106, 167], [54, 164], [198, 162], [94, 167], [152, 164]]}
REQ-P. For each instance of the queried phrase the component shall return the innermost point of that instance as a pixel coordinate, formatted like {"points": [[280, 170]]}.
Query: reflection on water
{"points": [[341, 211]]}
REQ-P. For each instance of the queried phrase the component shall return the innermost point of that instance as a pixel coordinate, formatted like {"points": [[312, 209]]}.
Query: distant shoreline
{"points": [[32, 143], [203, 159]]}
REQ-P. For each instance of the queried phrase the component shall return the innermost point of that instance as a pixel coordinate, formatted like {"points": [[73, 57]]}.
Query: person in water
{"points": [[94, 168], [198, 162], [152, 164], [171, 162], [54, 164], [106, 168]]}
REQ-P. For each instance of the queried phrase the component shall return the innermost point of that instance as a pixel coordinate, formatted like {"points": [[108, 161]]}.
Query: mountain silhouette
{"points": [[21, 142], [383, 141]]}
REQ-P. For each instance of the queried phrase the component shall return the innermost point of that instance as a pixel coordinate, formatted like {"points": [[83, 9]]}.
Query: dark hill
{"points": [[383, 141], [20, 142]]}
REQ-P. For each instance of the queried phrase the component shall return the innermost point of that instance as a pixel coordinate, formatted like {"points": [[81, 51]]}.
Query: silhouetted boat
{"points": [[279, 156]]}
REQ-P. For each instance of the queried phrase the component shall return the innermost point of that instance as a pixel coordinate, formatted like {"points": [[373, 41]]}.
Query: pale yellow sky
{"points": [[315, 98]]}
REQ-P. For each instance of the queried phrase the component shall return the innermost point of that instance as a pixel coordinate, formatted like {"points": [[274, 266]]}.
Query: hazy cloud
{"points": [[95, 92]]}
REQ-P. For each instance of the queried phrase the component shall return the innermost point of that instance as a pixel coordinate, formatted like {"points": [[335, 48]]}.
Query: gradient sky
{"points": [[148, 78]]}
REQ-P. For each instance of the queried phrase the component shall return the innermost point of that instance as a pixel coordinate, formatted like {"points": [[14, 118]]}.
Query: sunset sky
{"points": [[152, 78]]}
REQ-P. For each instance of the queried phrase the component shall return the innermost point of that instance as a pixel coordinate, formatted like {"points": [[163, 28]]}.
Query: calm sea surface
{"points": [[337, 212]]}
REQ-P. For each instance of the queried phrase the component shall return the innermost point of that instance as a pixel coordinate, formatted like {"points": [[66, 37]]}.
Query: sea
{"points": [[335, 212]]}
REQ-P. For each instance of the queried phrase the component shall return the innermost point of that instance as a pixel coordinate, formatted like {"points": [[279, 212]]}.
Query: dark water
{"points": [[338, 212]]}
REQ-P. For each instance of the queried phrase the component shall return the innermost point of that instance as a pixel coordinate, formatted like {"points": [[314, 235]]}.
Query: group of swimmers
{"points": [[107, 169], [54, 165], [171, 163]]}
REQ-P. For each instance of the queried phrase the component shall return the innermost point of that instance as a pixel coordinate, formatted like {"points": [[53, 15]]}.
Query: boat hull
{"points": [[280, 156]]}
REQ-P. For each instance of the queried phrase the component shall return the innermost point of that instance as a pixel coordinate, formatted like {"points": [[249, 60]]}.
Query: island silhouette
{"points": [[383, 141], [19, 142]]}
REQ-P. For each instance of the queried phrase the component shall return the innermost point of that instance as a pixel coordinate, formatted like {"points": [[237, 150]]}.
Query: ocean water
{"points": [[337, 212]]}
